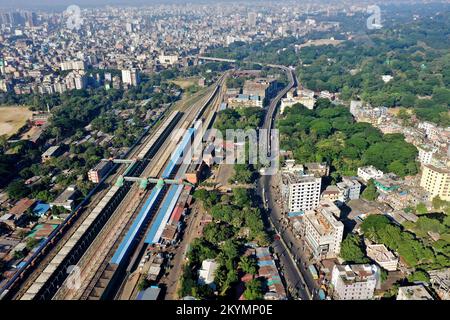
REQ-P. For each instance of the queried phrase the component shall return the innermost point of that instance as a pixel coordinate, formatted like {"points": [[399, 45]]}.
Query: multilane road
{"points": [[286, 245]]}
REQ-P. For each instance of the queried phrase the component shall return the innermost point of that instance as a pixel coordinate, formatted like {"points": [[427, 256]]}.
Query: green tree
{"points": [[352, 249], [370, 192], [248, 265], [17, 190], [419, 276], [421, 208], [253, 290], [31, 243]]}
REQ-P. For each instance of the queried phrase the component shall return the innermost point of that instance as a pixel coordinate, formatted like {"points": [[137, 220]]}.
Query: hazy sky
{"points": [[62, 4]]}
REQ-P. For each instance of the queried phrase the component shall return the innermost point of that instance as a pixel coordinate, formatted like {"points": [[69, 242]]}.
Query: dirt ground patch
{"points": [[12, 119], [320, 42], [184, 83]]}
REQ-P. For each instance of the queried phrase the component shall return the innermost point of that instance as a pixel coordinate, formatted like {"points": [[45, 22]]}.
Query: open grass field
{"points": [[13, 118], [185, 83]]}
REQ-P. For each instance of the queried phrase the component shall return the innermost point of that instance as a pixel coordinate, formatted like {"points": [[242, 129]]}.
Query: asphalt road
{"points": [[292, 257], [288, 248]]}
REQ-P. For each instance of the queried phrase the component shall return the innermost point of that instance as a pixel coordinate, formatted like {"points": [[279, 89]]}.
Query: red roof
{"points": [[22, 206], [176, 214], [247, 277]]}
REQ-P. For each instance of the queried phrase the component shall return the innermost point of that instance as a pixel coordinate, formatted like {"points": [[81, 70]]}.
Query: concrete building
{"points": [[322, 233], [130, 77], [308, 102], [416, 292], [426, 154], [382, 256], [301, 191], [168, 60], [262, 87], [349, 188], [98, 172], [51, 153], [369, 172], [436, 181], [331, 193], [243, 100], [440, 280], [66, 199], [72, 65], [354, 282], [251, 19], [206, 273]]}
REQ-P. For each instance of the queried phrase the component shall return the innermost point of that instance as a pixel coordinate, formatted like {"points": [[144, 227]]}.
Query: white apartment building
{"points": [[72, 65], [349, 188], [426, 154], [308, 102], [369, 172], [431, 130], [354, 282], [168, 59], [322, 232], [302, 191], [76, 80], [382, 256], [206, 273], [130, 77]]}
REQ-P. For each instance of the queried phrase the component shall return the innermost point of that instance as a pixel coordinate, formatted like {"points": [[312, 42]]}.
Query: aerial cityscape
{"points": [[225, 150]]}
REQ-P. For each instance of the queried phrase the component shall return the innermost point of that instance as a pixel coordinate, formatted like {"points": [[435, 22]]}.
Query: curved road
{"points": [[287, 247]]}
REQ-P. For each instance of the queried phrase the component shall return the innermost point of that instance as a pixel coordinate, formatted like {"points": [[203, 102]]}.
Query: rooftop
{"points": [[416, 292], [379, 253]]}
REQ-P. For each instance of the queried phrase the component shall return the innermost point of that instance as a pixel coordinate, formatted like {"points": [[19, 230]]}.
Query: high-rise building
{"points": [[436, 180], [354, 282], [72, 65], [251, 19], [426, 154], [130, 77], [301, 191], [322, 232]]}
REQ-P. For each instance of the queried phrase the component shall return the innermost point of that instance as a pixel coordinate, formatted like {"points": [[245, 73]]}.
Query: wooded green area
{"points": [[236, 221], [329, 134]]}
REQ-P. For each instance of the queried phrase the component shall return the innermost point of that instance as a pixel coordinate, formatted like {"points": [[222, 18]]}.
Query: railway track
{"points": [[107, 269], [17, 285], [106, 234], [96, 259]]}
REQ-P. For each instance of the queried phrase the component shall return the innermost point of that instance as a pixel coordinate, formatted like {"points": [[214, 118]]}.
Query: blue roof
{"points": [[296, 214], [178, 153], [265, 263], [135, 227], [41, 208], [166, 209]]}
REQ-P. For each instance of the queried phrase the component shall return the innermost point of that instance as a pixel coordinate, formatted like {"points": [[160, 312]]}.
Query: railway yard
{"points": [[100, 250]]}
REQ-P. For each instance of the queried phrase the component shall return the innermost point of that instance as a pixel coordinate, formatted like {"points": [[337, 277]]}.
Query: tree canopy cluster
{"points": [[239, 118], [415, 252], [236, 221], [329, 134]]}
